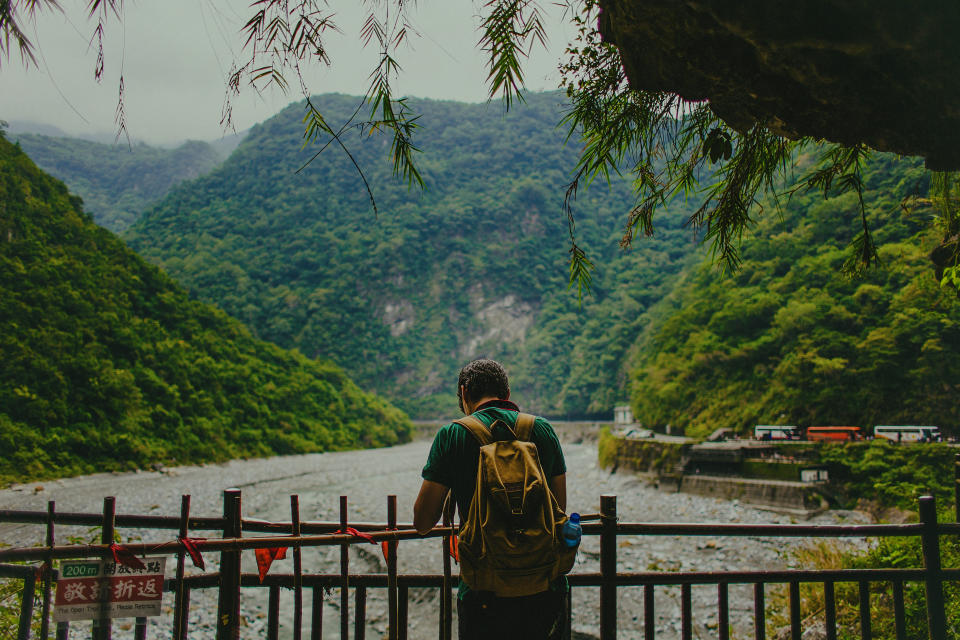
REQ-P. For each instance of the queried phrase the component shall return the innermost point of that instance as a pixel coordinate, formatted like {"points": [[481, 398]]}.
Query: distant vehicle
{"points": [[834, 433], [908, 433], [721, 434], [777, 432], [636, 434]]}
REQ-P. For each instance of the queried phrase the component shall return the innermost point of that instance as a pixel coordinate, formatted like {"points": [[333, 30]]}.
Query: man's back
{"points": [[454, 454], [484, 392]]}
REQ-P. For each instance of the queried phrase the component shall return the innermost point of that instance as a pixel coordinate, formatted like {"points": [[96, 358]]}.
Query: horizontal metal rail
{"points": [[298, 535], [583, 579], [404, 533], [306, 527]]}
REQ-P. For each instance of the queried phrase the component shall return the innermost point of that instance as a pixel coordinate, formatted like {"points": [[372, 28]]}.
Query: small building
{"points": [[622, 415], [814, 474]]}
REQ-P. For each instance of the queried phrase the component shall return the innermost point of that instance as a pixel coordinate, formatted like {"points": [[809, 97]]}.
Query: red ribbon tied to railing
{"points": [[357, 534], [385, 546], [454, 548], [122, 555], [265, 558], [190, 545]]}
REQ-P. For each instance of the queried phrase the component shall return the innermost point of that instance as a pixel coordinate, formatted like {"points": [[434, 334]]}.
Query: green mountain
{"points": [[118, 182], [475, 265], [107, 363], [790, 340]]}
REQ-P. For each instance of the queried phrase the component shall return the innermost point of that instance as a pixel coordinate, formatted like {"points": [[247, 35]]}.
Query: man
{"points": [[484, 392]]}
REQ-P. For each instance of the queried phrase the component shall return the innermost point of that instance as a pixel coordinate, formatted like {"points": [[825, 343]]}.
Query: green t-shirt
{"points": [[455, 453]]}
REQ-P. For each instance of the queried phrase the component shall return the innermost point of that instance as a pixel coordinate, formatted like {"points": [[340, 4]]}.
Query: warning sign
{"points": [[89, 590]]}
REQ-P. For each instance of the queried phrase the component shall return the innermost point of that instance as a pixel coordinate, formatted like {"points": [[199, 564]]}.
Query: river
{"points": [[367, 477]]}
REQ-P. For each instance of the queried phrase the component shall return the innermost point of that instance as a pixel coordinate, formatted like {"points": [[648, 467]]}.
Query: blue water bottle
{"points": [[571, 530]]}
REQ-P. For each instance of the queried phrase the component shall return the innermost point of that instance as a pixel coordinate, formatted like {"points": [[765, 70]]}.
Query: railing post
{"points": [[102, 629], [956, 486], [360, 613], [316, 614], [297, 568], [608, 567], [273, 613], [48, 574], [446, 599], [179, 613], [344, 575], [26, 606], [649, 615], [140, 629], [403, 603], [759, 612], [930, 540], [391, 548], [228, 606], [865, 631], [899, 615], [795, 631], [723, 605], [830, 609]]}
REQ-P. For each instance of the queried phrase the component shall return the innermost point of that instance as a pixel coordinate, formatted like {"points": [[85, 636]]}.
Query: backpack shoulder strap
{"points": [[476, 428], [524, 426]]}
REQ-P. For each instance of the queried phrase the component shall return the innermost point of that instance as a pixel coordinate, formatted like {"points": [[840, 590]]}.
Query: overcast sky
{"points": [[174, 56]]}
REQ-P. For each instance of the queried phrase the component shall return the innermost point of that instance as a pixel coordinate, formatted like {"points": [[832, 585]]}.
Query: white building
{"points": [[622, 415]]}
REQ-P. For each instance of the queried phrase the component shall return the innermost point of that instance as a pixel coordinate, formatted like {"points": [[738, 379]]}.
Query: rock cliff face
{"points": [[881, 72]]}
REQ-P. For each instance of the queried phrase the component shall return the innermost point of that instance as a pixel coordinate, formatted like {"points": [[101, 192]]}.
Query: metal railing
{"points": [[230, 580]]}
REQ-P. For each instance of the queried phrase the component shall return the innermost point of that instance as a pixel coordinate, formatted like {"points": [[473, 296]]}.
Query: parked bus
{"points": [[777, 432], [834, 433], [908, 433]]}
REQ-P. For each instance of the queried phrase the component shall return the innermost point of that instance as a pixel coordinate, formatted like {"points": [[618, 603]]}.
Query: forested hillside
{"points": [[475, 265], [108, 364], [790, 340], [117, 182]]}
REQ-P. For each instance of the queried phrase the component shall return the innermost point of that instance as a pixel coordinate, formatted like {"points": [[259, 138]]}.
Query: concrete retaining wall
{"points": [[672, 467], [793, 496]]}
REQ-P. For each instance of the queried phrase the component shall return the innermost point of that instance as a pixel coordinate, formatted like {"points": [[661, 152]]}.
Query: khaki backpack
{"points": [[511, 542]]}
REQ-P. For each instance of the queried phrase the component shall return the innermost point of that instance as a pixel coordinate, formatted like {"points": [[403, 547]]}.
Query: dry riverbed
{"points": [[367, 477]]}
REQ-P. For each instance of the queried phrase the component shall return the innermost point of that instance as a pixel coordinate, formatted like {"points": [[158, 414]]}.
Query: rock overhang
{"points": [[878, 72]]}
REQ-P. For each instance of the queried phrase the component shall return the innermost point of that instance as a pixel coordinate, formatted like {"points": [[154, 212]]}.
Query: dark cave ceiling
{"points": [[881, 72]]}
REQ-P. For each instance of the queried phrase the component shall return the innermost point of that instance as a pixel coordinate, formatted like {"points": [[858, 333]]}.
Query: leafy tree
{"points": [[472, 266], [109, 365], [785, 340]]}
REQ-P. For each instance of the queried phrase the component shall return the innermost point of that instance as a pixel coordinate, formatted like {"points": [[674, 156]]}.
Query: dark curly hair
{"points": [[483, 378]]}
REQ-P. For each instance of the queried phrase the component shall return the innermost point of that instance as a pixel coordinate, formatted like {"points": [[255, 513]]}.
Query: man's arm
{"points": [[429, 505], [558, 486]]}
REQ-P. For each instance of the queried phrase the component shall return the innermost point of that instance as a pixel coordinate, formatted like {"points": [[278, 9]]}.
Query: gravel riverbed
{"points": [[367, 477]]}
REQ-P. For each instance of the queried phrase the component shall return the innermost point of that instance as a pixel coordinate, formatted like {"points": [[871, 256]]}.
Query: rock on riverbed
{"points": [[367, 477]]}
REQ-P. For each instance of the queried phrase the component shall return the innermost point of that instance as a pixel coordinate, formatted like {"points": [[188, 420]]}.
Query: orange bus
{"points": [[834, 433]]}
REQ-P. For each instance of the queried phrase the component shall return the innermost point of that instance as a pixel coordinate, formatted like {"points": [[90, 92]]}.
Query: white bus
{"points": [[907, 433], [777, 432]]}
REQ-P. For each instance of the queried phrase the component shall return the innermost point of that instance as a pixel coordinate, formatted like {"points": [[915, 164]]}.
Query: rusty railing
{"points": [[230, 580]]}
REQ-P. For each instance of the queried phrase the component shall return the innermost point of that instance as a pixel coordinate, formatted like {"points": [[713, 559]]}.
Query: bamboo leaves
{"points": [[511, 28]]}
